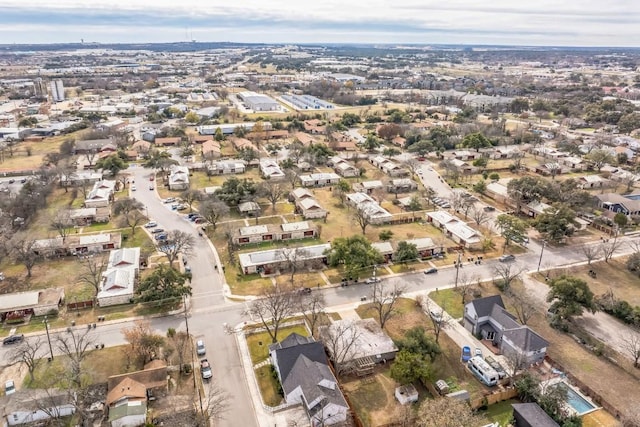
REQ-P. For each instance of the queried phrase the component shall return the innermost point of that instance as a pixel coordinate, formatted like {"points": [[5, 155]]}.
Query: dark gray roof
{"points": [[87, 144], [503, 317], [290, 341], [526, 339], [534, 415], [483, 306], [288, 356]]}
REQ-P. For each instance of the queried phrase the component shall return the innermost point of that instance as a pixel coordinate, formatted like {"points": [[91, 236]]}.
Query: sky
{"points": [[502, 22]]}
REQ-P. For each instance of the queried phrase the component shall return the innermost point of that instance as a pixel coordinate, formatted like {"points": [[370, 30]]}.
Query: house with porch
{"points": [[273, 260], [369, 207], [270, 169], [178, 178], [275, 232], [101, 195], [249, 209], [402, 185], [319, 179], [227, 167], [310, 209], [487, 317], [456, 229], [37, 303], [306, 379]]}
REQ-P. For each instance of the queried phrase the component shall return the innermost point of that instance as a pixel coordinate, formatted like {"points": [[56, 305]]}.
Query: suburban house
{"points": [[270, 261], [531, 415], [497, 192], [32, 406], [306, 204], [249, 208], [80, 178], [117, 286], [227, 167], [125, 258], [76, 244], [38, 302], [90, 145], [592, 181], [101, 195], [178, 178], [343, 168], [533, 209], [269, 169], [319, 179], [314, 127], [168, 141], [127, 393], [465, 155], [369, 207], [426, 247], [306, 379], [486, 317], [455, 229], [618, 203], [273, 232], [389, 167], [368, 186], [385, 249], [304, 138], [462, 166], [211, 149], [87, 216], [359, 345], [401, 185]]}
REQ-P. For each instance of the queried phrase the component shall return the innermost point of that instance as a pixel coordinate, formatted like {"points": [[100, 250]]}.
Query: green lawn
{"points": [[408, 267], [450, 301], [259, 343], [500, 412], [139, 239], [336, 274], [245, 284], [268, 386]]}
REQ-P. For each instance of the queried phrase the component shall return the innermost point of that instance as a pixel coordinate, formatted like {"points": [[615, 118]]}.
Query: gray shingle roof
{"points": [[483, 306], [534, 415], [526, 339]]}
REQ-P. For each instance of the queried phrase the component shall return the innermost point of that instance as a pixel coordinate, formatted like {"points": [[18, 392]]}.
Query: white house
{"points": [[269, 169], [319, 179], [179, 178], [117, 286], [30, 406]]}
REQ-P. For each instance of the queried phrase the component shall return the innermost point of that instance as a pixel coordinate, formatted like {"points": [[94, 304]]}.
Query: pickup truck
{"points": [[205, 369]]}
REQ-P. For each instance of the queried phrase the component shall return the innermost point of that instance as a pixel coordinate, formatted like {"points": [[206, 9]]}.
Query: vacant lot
{"points": [[373, 399]]}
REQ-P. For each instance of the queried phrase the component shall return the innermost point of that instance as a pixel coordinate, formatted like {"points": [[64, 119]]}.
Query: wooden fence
{"points": [[495, 397], [79, 305]]}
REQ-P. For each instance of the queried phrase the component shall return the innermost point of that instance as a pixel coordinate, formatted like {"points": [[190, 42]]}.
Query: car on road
{"points": [[133, 188], [23, 180], [507, 258], [157, 230], [435, 315], [205, 369], [431, 270], [371, 280], [201, 350], [489, 209], [466, 353], [11, 181], [13, 339], [9, 388], [151, 187], [151, 224]]}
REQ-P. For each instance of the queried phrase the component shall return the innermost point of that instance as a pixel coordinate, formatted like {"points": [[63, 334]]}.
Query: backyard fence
{"points": [[79, 305]]}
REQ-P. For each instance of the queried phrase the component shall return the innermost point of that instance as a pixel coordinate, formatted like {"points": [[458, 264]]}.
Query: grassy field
{"points": [[450, 301], [500, 412], [21, 159], [268, 386], [259, 343], [103, 363]]}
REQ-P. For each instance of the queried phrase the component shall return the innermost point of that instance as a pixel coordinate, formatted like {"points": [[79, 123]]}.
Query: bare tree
{"points": [[507, 272], [516, 361], [340, 339], [631, 344], [591, 252], [130, 209], [291, 177], [144, 344], [312, 308], [436, 315], [467, 286], [28, 353], [190, 196], [412, 165], [479, 216], [62, 223], [76, 345], [24, 251], [362, 217], [522, 304], [609, 247], [214, 405], [180, 342], [91, 269], [384, 302], [177, 242], [90, 156], [276, 304], [213, 210], [294, 260], [273, 192]]}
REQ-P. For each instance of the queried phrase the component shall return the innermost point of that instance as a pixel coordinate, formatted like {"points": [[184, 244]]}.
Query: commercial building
{"points": [[57, 91], [258, 102]]}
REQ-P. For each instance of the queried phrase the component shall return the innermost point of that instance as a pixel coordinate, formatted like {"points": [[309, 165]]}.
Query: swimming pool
{"points": [[576, 401]]}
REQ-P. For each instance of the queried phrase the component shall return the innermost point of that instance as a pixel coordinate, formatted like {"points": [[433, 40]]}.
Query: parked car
{"points": [[201, 350], [13, 339], [151, 187], [157, 230], [11, 181], [182, 207], [435, 315], [23, 180], [304, 290], [205, 369], [161, 236], [169, 200], [489, 209], [431, 270], [200, 220], [507, 258], [466, 353], [151, 224], [9, 388], [496, 366], [194, 217], [478, 352], [133, 188], [152, 177], [1, 276], [371, 280]]}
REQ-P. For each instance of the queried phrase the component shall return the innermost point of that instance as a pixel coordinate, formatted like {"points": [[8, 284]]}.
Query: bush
{"points": [[633, 263]]}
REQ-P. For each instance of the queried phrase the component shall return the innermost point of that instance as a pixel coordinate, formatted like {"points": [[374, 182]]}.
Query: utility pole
{"points": [[457, 269], [193, 363], [46, 326], [544, 243]]}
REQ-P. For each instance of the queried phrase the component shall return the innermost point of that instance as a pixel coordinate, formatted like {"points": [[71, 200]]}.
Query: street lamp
{"points": [[46, 326], [457, 269], [544, 243]]}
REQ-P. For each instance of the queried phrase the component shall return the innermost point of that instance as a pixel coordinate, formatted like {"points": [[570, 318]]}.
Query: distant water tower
{"points": [[57, 91]]}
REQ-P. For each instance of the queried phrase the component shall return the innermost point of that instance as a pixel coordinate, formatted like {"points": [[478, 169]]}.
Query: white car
{"points": [[373, 280], [151, 224], [9, 388], [201, 350]]}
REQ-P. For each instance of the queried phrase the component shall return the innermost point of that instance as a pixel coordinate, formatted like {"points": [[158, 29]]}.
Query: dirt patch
{"points": [[16, 372], [372, 399]]}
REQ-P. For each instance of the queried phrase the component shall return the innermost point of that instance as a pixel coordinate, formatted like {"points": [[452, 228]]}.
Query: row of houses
{"points": [[77, 244], [456, 229], [388, 166]]}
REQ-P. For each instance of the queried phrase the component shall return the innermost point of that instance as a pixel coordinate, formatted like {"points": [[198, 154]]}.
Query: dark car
{"points": [[489, 209], [13, 339], [162, 236], [431, 270], [507, 258], [157, 230], [11, 181]]}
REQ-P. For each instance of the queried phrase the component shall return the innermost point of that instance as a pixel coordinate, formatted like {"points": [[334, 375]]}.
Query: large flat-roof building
{"points": [[258, 102]]}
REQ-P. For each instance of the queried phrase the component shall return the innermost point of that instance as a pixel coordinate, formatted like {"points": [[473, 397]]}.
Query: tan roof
{"points": [[126, 388], [167, 141]]}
